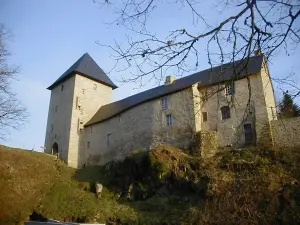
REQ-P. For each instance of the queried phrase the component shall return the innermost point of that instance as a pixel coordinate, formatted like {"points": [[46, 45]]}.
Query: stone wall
{"points": [[90, 96], [257, 112], [205, 143], [286, 132], [59, 118], [74, 100], [231, 131], [141, 128]]}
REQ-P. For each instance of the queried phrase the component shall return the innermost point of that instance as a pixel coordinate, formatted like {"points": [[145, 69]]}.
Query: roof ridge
{"points": [[109, 110]]}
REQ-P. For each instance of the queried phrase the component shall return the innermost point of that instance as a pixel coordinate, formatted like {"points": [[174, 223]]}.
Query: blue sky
{"points": [[50, 35]]}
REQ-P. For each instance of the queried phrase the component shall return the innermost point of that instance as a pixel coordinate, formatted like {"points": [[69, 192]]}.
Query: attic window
{"points": [[204, 96], [230, 89], [62, 87], [164, 103]]}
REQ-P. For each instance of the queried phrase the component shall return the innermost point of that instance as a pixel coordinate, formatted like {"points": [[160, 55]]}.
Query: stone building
{"points": [[86, 127]]}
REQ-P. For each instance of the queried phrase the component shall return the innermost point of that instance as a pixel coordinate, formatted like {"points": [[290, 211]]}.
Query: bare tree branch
{"points": [[12, 114]]}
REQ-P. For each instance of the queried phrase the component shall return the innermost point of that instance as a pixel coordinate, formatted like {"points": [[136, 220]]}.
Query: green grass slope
{"points": [[164, 186]]}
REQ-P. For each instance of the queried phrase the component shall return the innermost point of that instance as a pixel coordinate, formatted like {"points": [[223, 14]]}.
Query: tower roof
{"points": [[86, 67]]}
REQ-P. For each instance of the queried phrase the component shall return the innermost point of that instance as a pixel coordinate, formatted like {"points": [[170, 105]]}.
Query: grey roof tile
{"points": [[86, 67], [207, 77]]}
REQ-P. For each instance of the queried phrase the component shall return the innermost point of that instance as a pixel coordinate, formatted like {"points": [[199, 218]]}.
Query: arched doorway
{"points": [[55, 148]]}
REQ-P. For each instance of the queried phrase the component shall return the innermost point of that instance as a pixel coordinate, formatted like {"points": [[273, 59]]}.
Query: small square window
{"points": [[164, 103], [95, 86], [169, 120], [62, 87], [108, 139], [225, 111], [230, 89], [204, 116], [88, 144]]}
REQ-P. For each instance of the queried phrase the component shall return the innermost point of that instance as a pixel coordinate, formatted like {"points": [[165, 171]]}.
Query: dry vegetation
{"points": [[164, 186]]}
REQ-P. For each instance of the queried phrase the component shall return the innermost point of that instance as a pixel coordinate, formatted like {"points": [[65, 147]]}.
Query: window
{"points": [[55, 136], [230, 89], [78, 102], [204, 116], [62, 87], [91, 129], [204, 96], [169, 120], [88, 144], [108, 139], [225, 110], [164, 103], [80, 124], [51, 128], [95, 86], [248, 134], [56, 107]]}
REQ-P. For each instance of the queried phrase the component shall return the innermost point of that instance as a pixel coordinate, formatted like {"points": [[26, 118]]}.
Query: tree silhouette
{"points": [[12, 114], [288, 108]]}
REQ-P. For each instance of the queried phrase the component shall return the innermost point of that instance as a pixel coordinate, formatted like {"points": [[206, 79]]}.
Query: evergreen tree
{"points": [[288, 108]]}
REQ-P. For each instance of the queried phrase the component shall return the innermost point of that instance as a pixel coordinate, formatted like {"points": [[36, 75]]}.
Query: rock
{"points": [[98, 187]]}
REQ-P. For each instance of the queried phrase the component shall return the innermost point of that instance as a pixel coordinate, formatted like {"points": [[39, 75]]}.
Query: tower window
{"points": [[94, 86], [78, 103], [108, 139], [169, 120], [62, 87]]}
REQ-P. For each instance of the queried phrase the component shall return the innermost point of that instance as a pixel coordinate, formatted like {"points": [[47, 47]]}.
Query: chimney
{"points": [[258, 52], [169, 80]]}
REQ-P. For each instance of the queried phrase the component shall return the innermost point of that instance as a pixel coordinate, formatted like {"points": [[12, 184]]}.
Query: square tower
{"points": [[75, 97]]}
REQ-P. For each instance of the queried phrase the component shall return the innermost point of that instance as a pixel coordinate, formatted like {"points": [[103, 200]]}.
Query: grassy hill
{"points": [[164, 186]]}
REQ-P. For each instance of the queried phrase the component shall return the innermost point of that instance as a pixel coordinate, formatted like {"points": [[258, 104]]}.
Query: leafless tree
{"points": [[264, 25], [12, 114]]}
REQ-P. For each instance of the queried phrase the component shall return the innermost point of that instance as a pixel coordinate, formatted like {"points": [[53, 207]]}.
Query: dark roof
{"points": [[205, 78], [86, 67]]}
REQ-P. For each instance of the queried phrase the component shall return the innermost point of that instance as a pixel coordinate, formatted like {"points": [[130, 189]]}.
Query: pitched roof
{"points": [[206, 77], [86, 67]]}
